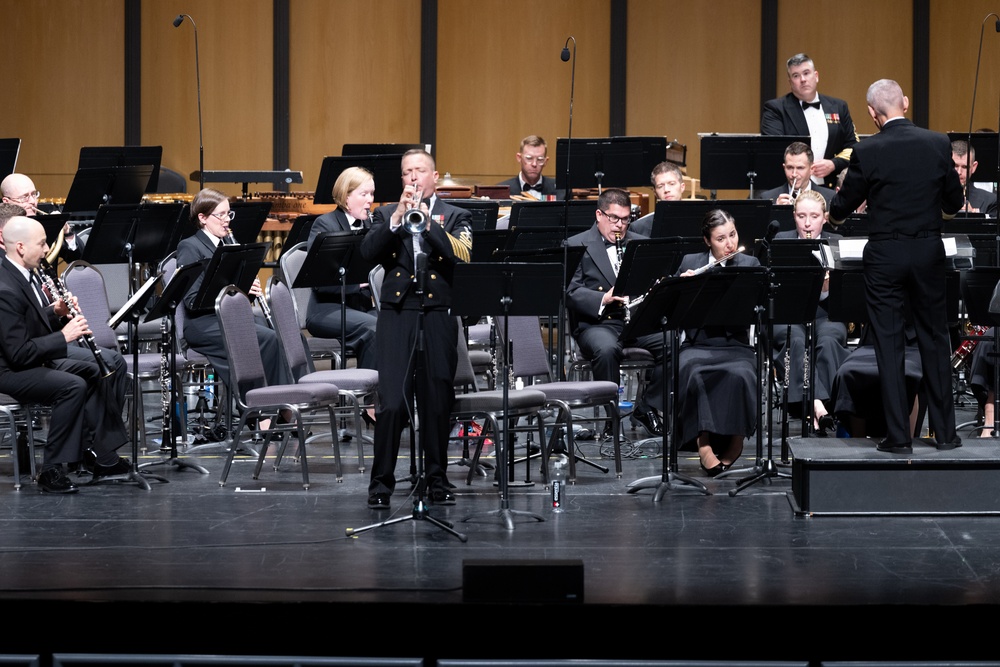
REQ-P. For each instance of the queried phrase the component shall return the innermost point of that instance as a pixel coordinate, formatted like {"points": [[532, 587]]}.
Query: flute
{"points": [[703, 269]]}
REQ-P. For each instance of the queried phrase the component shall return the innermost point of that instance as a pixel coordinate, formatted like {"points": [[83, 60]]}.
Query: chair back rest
{"points": [[167, 267], [117, 284], [87, 284], [530, 359], [465, 375], [286, 323], [239, 335], [290, 264], [375, 277]]}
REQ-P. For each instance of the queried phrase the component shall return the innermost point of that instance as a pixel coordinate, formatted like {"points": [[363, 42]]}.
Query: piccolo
{"points": [[703, 269]]}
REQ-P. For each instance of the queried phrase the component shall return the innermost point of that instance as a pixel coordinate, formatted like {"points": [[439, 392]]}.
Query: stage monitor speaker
{"points": [[523, 581]]}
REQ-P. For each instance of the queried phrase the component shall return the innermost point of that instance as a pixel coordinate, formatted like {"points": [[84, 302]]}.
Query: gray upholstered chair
{"points": [[290, 264]]}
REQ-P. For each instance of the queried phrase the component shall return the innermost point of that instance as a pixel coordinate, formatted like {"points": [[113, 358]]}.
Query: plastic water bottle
{"points": [[560, 474], [624, 405], [210, 391]]}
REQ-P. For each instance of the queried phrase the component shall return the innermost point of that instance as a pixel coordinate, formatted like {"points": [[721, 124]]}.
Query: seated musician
{"points": [[211, 214], [19, 189], [831, 337], [668, 185], [40, 363], [529, 180], [981, 381], [598, 316], [353, 193], [798, 167], [717, 367], [856, 394]]}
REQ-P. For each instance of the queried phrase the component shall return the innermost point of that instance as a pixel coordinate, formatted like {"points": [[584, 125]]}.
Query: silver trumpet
{"points": [[415, 220], [796, 190], [265, 309]]}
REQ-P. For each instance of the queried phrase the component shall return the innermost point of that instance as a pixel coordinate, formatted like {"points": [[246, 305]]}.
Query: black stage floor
{"points": [[266, 568]]}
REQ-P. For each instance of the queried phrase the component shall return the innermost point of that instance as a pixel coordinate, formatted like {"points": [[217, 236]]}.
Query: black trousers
{"points": [[602, 346], [403, 372], [900, 273]]}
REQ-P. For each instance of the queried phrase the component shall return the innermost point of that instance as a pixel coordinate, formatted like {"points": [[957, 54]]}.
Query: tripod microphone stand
{"points": [[418, 361]]}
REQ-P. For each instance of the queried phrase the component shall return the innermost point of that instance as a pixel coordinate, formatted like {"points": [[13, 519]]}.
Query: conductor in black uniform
{"points": [[907, 177], [408, 256]]}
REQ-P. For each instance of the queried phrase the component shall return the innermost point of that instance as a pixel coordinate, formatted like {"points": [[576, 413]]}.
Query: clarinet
{"points": [[166, 386], [620, 249], [48, 276]]}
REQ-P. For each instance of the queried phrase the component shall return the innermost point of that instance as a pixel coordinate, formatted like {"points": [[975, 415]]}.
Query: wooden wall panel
{"points": [[355, 78], [954, 45], [500, 78], [856, 43], [235, 50], [693, 70], [63, 83]]}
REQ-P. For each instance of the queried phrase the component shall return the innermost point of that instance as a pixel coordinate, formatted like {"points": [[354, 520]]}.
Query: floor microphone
{"points": [[197, 72], [564, 56]]}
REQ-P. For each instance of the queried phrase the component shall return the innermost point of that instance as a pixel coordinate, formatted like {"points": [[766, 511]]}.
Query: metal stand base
{"points": [[420, 513], [664, 483]]}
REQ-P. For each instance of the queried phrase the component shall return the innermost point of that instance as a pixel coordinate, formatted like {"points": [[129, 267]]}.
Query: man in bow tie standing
{"points": [[803, 111]]}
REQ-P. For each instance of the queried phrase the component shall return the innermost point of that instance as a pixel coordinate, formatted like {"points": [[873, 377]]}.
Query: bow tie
{"points": [[806, 105], [537, 186]]}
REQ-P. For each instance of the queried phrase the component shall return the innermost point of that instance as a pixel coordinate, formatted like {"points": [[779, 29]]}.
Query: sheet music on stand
{"points": [[137, 300]]}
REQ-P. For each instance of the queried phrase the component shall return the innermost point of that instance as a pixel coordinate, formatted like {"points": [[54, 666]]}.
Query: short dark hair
{"points": [[960, 147], [614, 196], [663, 167], [800, 148], [8, 211], [797, 60], [205, 202]]}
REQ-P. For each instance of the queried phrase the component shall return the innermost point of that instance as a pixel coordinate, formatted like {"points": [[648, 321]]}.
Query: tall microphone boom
{"points": [[564, 56], [197, 72]]}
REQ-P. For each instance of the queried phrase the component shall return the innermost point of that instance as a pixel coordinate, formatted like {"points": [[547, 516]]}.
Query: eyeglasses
{"points": [[541, 159], [614, 219], [228, 215], [26, 196]]}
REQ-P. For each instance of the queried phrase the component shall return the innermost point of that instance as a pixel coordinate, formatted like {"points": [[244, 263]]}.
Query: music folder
{"points": [[230, 265]]}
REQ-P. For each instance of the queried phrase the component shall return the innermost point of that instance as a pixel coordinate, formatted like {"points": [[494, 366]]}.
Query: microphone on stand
{"points": [[564, 56], [197, 70], [765, 243], [975, 87]]}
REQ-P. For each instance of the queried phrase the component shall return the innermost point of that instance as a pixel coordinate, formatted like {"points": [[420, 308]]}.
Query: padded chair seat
{"points": [[480, 359], [594, 391], [479, 335], [637, 355], [363, 380], [492, 401], [292, 394], [149, 363]]}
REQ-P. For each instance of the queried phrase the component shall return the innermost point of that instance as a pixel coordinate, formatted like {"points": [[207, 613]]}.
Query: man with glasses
{"points": [[597, 316], [532, 158], [19, 189]]}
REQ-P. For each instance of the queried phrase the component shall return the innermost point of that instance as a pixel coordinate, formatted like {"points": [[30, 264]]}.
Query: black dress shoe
{"points": [[649, 419], [442, 497], [378, 501], [885, 446], [54, 481], [367, 418], [715, 470], [827, 424], [120, 467], [951, 444]]}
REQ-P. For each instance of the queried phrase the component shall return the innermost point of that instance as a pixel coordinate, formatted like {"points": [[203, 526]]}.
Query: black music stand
{"points": [[334, 258], [485, 212], [514, 289], [646, 261], [684, 218], [385, 169], [607, 162], [792, 296], [9, 148], [165, 308], [382, 149], [739, 161], [278, 178], [720, 297], [132, 311], [94, 187], [123, 156], [576, 215], [137, 233]]}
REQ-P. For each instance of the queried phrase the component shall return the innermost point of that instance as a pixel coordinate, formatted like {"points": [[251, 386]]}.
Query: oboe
{"points": [[48, 276]]}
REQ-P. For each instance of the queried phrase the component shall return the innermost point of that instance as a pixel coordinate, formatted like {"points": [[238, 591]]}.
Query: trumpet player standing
{"points": [[798, 165], [39, 364], [419, 261]]}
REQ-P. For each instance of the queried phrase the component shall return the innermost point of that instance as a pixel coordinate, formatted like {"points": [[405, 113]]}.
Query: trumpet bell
{"points": [[416, 221]]}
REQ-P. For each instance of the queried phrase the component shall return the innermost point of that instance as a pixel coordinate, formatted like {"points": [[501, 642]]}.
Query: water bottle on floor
{"points": [[557, 484]]}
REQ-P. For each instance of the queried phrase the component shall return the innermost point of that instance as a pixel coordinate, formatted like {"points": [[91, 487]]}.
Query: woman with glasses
{"points": [[717, 366], [211, 214]]}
